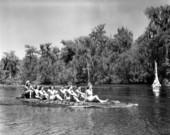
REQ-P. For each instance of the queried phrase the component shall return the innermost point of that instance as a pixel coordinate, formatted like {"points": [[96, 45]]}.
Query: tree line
{"points": [[97, 57]]}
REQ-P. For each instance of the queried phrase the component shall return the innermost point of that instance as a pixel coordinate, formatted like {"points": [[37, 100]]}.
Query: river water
{"points": [[150, 117]]}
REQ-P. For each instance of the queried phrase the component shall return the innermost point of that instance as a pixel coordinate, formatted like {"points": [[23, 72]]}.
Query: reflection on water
{"points": [[156, 91], [151, 117]]}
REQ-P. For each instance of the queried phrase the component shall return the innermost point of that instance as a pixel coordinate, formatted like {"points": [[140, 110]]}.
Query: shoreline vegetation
{"points": [[60, 85], [97, 58]]}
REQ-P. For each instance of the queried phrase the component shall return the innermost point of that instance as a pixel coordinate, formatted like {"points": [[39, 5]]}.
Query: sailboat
{"points": [[156, 84]]}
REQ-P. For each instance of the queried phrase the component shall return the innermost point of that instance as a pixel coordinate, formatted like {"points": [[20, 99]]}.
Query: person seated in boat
{"points": [[92, 98], [43, 94], [29, 91], [71, 95], [80, 94], [62, 92], [67, 96], [36, 90], [27, 84], [53, 94], [57, 94]]}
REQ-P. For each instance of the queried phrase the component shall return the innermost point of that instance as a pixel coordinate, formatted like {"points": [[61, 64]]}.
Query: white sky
{"points": [[35, 22]]}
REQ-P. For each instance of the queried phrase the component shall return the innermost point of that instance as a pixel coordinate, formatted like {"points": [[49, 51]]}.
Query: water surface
{"points": [[151, 117]]}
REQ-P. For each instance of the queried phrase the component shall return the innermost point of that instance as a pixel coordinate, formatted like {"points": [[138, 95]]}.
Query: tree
{"points": [[30, 64], [123, 39], [10, 64], [47, 62], [159, 34]]}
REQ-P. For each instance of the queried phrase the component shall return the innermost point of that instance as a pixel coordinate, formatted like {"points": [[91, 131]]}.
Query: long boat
{"points": [[81, 104]]}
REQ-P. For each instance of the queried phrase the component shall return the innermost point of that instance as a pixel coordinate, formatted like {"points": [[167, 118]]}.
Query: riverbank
{"points": [[21, 85], [12, 85], [84, 85]]}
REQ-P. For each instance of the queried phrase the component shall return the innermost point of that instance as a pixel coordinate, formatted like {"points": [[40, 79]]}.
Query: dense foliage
{"points": [[97, 58]]}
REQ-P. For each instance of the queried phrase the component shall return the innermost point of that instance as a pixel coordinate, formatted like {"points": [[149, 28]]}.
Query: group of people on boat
{"points": [[64, 93]]}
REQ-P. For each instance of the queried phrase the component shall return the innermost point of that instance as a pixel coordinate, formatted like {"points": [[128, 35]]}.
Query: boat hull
{"points": [[64, 103]]}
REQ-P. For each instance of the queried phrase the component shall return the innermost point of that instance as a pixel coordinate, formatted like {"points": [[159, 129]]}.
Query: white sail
{"points": [[156, 82]]}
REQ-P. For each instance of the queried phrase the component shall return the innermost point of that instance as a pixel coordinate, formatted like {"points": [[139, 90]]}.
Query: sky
{"points": [[34, 22]]}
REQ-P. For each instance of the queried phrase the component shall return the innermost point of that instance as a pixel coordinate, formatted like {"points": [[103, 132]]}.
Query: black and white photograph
{"points": [[84, 67]]}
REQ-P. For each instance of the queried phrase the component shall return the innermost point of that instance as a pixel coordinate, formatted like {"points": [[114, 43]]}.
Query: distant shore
{"points": [[19, 85], [60, 85], [12, 85]]}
